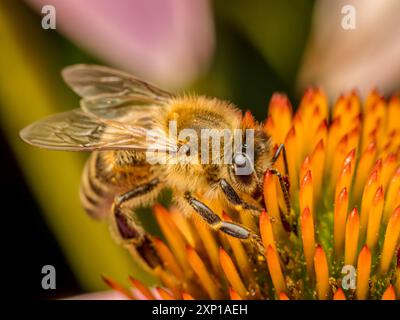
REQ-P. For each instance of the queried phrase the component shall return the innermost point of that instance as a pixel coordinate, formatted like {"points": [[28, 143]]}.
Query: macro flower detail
{"points": [[344, 177]]}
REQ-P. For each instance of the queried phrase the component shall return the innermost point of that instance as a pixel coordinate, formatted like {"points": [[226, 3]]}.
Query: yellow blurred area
{"points": [[27, 93]]}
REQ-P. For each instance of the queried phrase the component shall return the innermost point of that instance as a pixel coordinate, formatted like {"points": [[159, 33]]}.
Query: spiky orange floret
{"points": [[344, 172]]}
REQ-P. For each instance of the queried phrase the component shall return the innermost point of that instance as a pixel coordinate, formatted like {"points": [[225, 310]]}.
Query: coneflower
{"points": [[344, 173]]}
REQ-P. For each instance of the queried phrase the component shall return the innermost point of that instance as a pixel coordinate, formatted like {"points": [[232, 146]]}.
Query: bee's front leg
{"points": [[230, 228], [284, 185], [281, 150], [129, 229], [234, 199], [283, 179]]}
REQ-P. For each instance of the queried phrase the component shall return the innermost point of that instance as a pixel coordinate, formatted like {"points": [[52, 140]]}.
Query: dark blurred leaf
{"points": [[277, 28], [239, 73]]}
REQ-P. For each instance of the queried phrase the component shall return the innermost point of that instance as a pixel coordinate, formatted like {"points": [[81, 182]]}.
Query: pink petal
{"points": [[164, 41], [363, 58], [103, 295]]}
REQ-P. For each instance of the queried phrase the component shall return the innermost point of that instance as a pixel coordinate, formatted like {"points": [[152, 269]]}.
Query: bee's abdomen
{"points": [[97, 191]]}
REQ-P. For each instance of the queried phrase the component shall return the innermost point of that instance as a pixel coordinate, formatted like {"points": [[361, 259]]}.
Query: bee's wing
{"points": [[118, 112], [77, 130], [111, 93]]}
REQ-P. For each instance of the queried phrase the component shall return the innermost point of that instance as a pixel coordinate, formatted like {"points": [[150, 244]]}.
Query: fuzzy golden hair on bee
{"points": [[134, 133], [193, 111]]}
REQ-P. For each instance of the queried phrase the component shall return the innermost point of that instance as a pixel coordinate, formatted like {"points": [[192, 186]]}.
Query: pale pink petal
{"points": [[363, 58], [168, 42], [102, 295]]}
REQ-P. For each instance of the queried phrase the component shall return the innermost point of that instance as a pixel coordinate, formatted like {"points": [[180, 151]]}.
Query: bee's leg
{"points": [[214, 221], [284, 187], [283, 179], [133, 236], [287, 219], [281, 149], [238, 203]]}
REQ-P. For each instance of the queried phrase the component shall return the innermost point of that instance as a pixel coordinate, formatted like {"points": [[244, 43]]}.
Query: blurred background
{"points": [[237, 50]]}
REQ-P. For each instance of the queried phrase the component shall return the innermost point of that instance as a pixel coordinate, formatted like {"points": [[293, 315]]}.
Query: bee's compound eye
{"points": [[185, 149], [239, 160]]}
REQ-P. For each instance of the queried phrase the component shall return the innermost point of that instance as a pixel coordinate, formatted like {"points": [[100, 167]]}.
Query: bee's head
{"points": [[250, 161]]}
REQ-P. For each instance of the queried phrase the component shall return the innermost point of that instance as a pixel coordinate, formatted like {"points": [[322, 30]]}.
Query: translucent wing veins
{"points": [[117, 111], [76, 130]]}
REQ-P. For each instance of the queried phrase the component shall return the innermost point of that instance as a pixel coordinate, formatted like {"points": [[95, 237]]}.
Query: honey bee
{"points": [[120, 119]]}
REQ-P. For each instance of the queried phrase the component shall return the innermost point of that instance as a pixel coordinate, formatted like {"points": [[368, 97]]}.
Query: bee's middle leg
{"points": [[216, 223], [129, 229], [234, 199]]}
